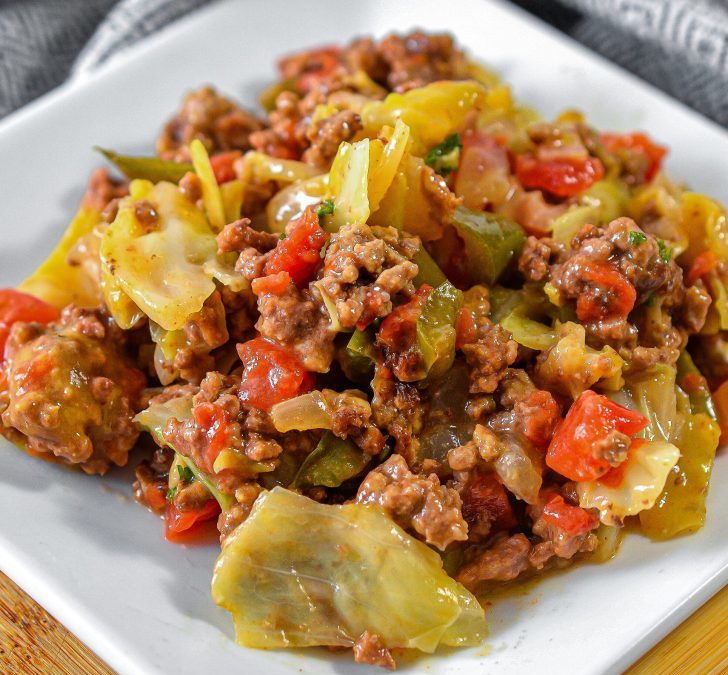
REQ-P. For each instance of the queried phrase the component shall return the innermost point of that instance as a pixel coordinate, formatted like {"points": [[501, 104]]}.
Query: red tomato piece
{"points": [[560, 177], [485, 498], [589, 421], [272, 374], [610, 294], [222, 165], [19, 306], [178, 523], [572, 519], [320, 64], [216, 426], [641, 143], [299, 253], [274, 284], [465, 328], [703, 265], [540, 414], [398, 330]]}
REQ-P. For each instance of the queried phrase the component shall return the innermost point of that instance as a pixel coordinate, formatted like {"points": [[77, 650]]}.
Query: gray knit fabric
{"points": [[681, 46]]}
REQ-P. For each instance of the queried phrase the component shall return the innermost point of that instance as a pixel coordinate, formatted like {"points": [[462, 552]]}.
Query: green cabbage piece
{"points": [[298, 573], [146, 168], [154, 418]]}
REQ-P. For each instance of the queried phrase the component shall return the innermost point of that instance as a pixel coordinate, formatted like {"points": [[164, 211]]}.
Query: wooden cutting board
{"points": [[32, 642]]}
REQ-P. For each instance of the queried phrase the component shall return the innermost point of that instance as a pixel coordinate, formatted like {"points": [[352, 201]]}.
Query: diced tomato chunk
{"points": [[465, 328], [19, 306], [540, 414], [216, 426], [272, 374], [639, 142], [572, 519], [611, 293], [299, 253], [178, 523], [274, 284], [704, 263], [222, 165], [485, 498], [560, 177], [590, 421], [399, 326]]}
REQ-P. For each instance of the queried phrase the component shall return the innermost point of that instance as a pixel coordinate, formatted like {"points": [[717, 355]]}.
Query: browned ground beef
{"points": [[103, 189], [369, 648], [327, 134], [213, 119], [298, 318], [152, 475], [71, 390], [416, 502], [365, 268], [503, 560], [352, 418], [252, 435], [665, 312], [397, 408]]}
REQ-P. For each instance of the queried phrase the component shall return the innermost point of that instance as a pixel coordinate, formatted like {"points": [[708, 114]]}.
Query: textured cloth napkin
{"points": [[681, 46]]}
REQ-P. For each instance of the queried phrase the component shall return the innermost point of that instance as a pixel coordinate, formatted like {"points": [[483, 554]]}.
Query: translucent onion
{"points": [[309, 411]]}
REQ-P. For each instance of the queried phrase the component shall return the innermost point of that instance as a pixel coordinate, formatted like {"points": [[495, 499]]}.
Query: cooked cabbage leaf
{"points": [[432, 112], [643, 477], [162, 270], [153, 420], [298, 573], [146, 168]]}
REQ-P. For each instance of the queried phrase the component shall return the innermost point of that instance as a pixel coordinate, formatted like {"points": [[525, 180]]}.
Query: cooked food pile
{"points": [[401, 339]]}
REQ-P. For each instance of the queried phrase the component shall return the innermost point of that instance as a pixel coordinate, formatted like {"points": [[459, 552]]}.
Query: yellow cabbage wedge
{"points": [[56, 281], [160, 271], [645, 474], [298, 573], [432, 112], [362, 173]]}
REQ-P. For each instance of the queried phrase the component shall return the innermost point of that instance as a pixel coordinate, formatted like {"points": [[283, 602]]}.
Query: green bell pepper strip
{"points": [[428, 271], [491, 242], [435, 328], [333, 461], [680, 509], [358, 359], [147, 168]]}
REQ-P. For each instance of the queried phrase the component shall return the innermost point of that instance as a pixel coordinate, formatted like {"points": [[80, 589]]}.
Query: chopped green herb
{"points": [[326, 208], [636, 237], [283, 236], [665, 251], [185, 473], [444, 158], [170, 494]]}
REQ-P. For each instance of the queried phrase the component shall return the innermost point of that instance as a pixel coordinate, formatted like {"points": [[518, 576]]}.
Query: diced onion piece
{"points": [[308, 411]]}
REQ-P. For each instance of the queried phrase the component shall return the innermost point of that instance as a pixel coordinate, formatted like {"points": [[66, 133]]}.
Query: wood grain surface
{"points": [[32, 642]]}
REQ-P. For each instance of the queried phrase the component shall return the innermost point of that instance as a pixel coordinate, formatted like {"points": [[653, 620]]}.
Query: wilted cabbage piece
{"points": [[161, 270], [298, 573], [642, 479]]}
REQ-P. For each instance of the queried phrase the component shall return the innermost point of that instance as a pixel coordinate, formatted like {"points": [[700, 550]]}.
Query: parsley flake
{"points": [[636, 237], [444, 158], [171, 493], [283, 236], [185, 474], [326, 208], [665, 251]]}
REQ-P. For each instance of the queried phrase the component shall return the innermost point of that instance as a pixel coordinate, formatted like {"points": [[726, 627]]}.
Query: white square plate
{"points": [[87, 552]]}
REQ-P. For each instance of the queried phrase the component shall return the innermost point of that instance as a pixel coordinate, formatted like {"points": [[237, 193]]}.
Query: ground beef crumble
{"points": [[370, 649], [82, 420], [415, 502], [213, 119], [365, 268]]}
